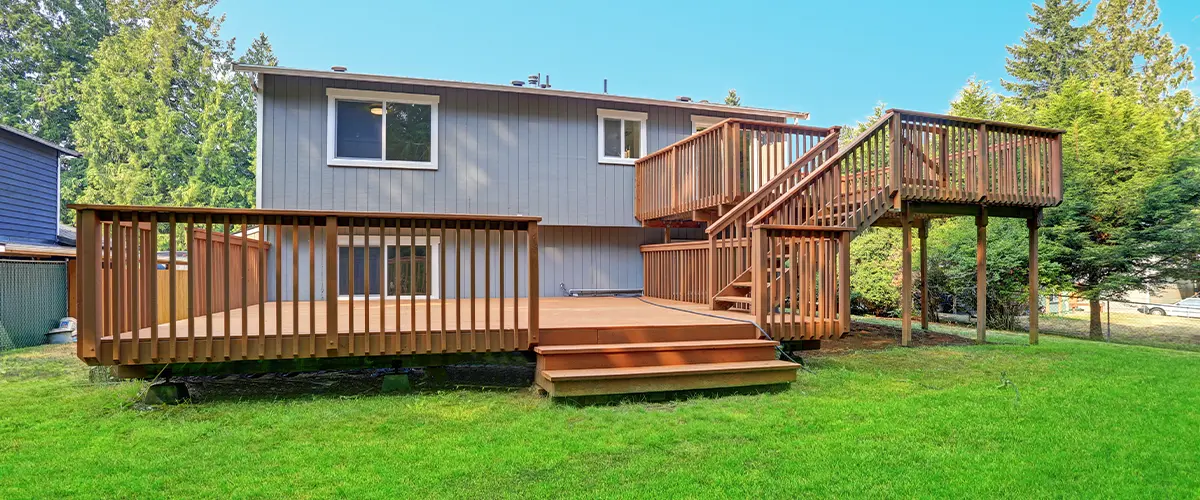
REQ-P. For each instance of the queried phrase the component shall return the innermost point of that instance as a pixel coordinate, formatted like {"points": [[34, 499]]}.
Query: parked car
{"points": [[1186, 308]]}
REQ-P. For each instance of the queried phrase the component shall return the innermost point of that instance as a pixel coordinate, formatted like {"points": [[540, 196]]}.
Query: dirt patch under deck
{"points": [[867, 336]]}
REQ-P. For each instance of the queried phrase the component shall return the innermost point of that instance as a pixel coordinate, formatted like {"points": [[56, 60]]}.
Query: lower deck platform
{"points": [[299, 329]]}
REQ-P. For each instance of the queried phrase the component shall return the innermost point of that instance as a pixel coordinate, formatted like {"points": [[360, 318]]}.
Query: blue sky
{"points": [[834, 59]]}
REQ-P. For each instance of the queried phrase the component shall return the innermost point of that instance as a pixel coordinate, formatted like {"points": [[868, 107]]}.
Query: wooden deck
{"points": [[293, 326]]}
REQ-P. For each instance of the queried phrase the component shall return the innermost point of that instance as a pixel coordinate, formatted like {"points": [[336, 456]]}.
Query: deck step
{"points": [[744, 284], [646, 379], [734, 299], [641, 354]]}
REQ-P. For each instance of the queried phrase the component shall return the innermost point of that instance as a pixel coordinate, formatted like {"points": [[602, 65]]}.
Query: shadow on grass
{"points": [[670, 396]]}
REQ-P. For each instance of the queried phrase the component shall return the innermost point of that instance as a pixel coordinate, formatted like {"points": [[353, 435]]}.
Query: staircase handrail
{"points": [[830, 140], [825, 167]]}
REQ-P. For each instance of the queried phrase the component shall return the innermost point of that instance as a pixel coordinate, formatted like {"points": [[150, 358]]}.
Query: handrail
{"points": [[666, 149], [767, 189], [977, 121], [675, 245], [828, 165]]}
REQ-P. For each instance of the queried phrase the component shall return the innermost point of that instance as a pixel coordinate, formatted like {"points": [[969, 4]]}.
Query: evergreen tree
{"points": [[1130, 53], [1049, 53], [732, 99], [163, 119], [45, 50], [1130, 194]]}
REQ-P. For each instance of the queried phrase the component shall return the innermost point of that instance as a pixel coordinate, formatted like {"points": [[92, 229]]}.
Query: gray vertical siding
{"points": [[570, 257], [499, 153], [28, 191]]}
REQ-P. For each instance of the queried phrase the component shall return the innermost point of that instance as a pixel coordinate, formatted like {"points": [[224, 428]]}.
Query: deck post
{"points": [[844, 282], [331, 283], [759, 304], [923, 234], [713, 286], [1033, 223], [534, 291], [981, 222], [906, 278], [91, 291], [895, 159]]}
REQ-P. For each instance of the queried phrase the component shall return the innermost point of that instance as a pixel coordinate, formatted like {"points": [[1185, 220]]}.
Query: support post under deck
{"points": [[922, 234], [1033, 223], [981, 222], [906, 279]]}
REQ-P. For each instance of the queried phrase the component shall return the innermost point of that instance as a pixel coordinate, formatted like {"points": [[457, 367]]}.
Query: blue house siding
{"points": [[28, 191], [499, 153]]}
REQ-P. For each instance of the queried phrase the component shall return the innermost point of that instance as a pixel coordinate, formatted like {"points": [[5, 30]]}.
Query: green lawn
{"points": [[1093, 419]]}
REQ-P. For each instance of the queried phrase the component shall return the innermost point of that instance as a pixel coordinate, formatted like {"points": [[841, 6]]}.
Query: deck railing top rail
{"points": [[976, 121], [239, 212], [741, 121]]}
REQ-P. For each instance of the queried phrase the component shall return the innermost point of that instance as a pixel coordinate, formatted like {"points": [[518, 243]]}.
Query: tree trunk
{"points": [[1096, 332]]}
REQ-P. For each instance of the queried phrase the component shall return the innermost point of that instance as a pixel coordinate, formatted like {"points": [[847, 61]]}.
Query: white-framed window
{"points": [[382, 129], [622, 136], [701, 122], [368, 254]]}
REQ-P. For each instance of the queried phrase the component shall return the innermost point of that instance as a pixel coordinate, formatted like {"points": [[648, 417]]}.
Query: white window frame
{"points": [[704, 121], [391, 240], [334, 95], [615, 114]]}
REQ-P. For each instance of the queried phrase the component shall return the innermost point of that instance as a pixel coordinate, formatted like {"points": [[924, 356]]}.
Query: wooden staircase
{"points": [[779, 250], [660, 363]]}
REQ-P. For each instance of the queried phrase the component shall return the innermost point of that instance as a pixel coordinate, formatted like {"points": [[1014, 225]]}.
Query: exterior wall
{"points": [[575, 257], [28, 191], [499, 153]]}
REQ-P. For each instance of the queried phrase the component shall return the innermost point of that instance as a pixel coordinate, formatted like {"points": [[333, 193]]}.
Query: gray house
{"points": [[333, 140]]}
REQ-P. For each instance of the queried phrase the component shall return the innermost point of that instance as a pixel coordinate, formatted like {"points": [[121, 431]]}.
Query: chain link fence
{"points": [[1175, 325], [33, 298]]}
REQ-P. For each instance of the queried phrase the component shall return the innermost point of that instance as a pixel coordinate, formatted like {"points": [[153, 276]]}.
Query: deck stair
{"points": [[660, 363], [781, 251]]}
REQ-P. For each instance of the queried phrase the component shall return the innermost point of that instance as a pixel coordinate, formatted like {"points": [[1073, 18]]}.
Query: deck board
{"points": [[557, 313]]}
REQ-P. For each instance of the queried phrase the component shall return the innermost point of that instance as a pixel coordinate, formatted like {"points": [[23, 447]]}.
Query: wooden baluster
{"points": [[152, 282], [487, 287], [295, 287], [442, 280], [172, 266], [278, 287], [312, 285], [227, 285], [261, 341], [383, 336], [500, 284], [350, 288], [427, 282], [412, 282], [366, 286], [473, 266], [134, 323], [245, 279], [458, 285]]}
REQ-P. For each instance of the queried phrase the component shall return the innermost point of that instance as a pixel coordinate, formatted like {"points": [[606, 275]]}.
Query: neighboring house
{"points": [[339, 141], [35, 249]]}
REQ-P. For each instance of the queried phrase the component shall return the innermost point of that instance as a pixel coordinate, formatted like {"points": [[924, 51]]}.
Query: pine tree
{"points": [[1128, 213], [732, 99], [45, 50], [163, 119], [1131, 55], [1049, 53]]}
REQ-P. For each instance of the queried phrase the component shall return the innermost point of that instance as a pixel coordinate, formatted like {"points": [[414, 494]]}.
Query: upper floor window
{"points": [[622, 136], [382, 129]]}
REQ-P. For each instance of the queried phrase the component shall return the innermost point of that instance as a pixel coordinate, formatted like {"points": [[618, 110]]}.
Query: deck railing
{"points": [[677, 271], [940, 157], [426, 284], [718, 166]]}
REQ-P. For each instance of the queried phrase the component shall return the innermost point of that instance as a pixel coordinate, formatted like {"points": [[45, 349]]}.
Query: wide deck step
{"points": [[646, 379], [734, 299], [627, 355]]}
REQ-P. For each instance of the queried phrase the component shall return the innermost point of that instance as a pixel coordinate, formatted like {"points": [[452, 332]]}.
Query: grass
{"points": [[1130, 328], [1092, 419]]}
